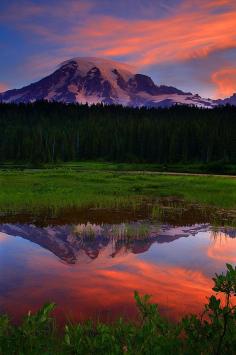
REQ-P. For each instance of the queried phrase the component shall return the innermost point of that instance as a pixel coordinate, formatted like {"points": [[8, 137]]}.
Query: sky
{"points": [[189, 44]]}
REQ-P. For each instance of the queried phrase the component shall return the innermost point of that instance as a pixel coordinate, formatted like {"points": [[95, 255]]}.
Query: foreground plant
{"points": [[215, 331], [212, 333]]}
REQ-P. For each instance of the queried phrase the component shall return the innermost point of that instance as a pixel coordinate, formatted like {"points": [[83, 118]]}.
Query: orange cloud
{"points": [[3, 87], [191, 32], [177, 290], [195, 29], [183, 36], [225, 81]]}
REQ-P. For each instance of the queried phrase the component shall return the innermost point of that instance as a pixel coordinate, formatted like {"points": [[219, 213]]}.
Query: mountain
{"points": [[82, 242], [73, 244], [228, 101], [95, 80]]}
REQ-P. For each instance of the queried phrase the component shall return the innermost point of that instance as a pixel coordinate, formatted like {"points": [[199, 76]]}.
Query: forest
{"points": [[44, 132]]}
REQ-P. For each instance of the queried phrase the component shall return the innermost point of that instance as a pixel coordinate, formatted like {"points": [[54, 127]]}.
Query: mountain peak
{"points": [[97, 80], [86, 63]]}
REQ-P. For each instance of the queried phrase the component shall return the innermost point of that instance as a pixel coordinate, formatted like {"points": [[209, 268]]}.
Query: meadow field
{"points": [[103, 185]]}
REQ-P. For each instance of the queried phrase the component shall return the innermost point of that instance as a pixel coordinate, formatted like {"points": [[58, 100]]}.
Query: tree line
{"points": [[52, 132]]}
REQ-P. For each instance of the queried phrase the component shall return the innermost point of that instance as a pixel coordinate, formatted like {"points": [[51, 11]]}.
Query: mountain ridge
{"points": [[96, 80]]}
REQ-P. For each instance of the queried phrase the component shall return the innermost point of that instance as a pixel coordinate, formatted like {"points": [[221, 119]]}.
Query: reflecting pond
{"points": [[91, 268]]}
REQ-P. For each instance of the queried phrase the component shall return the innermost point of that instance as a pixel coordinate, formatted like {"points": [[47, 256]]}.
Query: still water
{"points": [[92, 269]]}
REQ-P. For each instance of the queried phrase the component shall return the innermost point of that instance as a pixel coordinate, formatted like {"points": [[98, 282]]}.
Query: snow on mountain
{"points": [[96, 80]]}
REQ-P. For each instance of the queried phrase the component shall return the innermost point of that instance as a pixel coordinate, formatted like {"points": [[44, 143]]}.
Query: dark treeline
{"points": [[51, 132]]}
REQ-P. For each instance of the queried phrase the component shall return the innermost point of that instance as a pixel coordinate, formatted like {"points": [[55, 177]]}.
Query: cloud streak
{"points": [[187, 34]]}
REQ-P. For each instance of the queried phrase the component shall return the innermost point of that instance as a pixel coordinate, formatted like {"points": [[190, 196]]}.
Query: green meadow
{"points": [[103, 185]]}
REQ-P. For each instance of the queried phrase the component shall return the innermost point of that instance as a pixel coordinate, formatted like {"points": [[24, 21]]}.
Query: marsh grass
{"points": [[122, 231]]}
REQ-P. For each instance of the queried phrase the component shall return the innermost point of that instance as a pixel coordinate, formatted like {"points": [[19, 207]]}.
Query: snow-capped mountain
{"points": [[95, 80], [73, 244]]}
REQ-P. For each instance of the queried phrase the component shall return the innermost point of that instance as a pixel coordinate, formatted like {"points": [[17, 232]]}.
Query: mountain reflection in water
{"points": [[92, 270]]}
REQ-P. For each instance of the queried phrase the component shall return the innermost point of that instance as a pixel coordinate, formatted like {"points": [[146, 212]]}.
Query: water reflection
{"points": [[92, 269]]}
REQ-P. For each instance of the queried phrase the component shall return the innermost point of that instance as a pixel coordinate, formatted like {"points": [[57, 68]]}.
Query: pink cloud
{"points": [[183, 36], [185, 293], [191, 32], [225, 81]]}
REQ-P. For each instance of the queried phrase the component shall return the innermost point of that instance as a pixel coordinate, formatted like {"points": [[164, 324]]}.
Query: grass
{"points": [[82, 186], [213, 332], [124, 231], [211, 168]]}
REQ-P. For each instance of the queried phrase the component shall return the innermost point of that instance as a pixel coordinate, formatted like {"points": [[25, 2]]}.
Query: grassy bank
{"points": [[88, 184], [214, 332]]}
